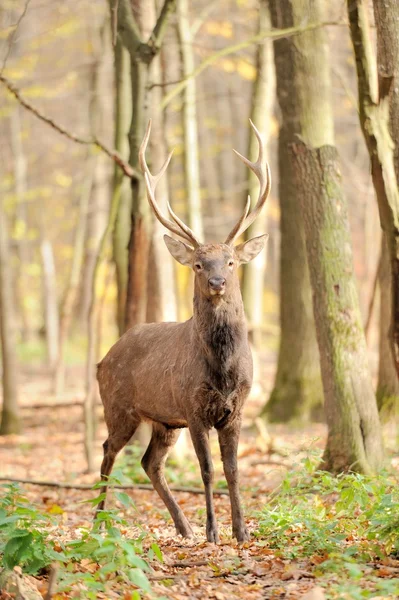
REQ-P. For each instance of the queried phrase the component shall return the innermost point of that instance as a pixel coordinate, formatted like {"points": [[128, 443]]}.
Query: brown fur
{"points": [[195, 374]]}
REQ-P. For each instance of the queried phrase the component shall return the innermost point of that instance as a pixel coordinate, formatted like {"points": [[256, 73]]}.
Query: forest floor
{"points": [[288, 566]]}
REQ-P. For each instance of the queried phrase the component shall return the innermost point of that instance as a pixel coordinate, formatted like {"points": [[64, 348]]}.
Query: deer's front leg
{"points": [[228, 441], [200, 437]]}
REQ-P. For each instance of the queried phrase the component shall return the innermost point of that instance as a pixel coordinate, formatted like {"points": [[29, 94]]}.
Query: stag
{"points": [[195, 374]]}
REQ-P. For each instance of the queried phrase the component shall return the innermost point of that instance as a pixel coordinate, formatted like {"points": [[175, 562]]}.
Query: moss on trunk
{"points": [[354, 437]]}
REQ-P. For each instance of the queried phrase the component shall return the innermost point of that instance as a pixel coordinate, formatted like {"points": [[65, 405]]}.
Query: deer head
{"points": [[215, 265]]}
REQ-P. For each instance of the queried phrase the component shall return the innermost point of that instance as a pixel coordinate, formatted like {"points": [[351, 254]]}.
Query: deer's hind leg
{"points": [[117, 439], [153, 462]]}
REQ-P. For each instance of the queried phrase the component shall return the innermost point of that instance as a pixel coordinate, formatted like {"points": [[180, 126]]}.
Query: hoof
{"points": [[212, 533], [241, 534]]}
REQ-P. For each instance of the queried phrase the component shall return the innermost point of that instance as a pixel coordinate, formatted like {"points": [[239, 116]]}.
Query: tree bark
{"points": [[297, 393], [50, 301], [10, 419], [354, 438], [20, 178], [123, 110], [190, 130], [388, 383], [131, 28], [379, 118], [261, 115], [72, 287]]}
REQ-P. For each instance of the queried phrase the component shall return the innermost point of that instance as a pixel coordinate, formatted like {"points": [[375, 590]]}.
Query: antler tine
{"points": [[151, 182], [182, 225], [237, 226], [264, 177]]}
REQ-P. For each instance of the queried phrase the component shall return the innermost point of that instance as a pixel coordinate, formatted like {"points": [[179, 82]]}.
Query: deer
{"points": [[195, 374]]}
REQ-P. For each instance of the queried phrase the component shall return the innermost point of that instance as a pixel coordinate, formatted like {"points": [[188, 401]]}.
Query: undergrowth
{"points": [[97, 558], [346, 526]]}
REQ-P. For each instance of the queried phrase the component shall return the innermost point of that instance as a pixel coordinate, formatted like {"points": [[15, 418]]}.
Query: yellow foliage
{"points": [[246, 70], [19, 230], [220, 28], [226, 64], [62, 180], [33, 269]]}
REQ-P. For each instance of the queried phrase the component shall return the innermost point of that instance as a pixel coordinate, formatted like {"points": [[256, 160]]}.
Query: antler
{"points": [[151, 182], [263, 174]]}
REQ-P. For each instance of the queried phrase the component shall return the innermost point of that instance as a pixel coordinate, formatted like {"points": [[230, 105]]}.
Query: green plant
{"points": [[341, 524], [27, 539]]}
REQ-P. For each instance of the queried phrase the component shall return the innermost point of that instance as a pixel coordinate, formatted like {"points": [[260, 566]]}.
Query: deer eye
{"points": [[231, 263], [198, 267]]}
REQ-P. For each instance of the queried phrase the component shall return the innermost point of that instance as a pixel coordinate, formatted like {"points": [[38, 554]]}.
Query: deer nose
{"points": [[216, 283]]}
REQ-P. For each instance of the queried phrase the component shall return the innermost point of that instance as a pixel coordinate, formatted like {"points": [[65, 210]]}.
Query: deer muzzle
{"points": [[217, 285]]}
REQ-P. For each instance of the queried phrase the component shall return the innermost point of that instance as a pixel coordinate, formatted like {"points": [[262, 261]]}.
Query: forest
{"points": [[199, 299]]}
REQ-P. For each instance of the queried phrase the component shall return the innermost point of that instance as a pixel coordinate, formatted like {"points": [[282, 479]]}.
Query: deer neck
{"points": [[220, 329]]}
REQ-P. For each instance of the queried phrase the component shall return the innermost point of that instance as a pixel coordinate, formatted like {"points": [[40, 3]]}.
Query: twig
{"points": [[273, 34], [12, 36], [55, 405], [186, 564], [130, 486], [113, 154]]}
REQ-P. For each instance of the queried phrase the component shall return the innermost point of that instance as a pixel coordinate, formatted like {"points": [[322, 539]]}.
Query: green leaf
{"points": [[157, 551], [124, 499], [139, 579]]}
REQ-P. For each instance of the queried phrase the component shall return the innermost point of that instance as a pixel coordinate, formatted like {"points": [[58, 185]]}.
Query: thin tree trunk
{"points": [[388, 383], [50, 301], [132, 29], [354, 438], [379, 118], [20, 177], [10, 420], [261, 115], [190, 130], [297, 393], [121, 183], [72, 288]]}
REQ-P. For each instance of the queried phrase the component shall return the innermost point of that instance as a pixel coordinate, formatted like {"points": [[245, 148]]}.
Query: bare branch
{"points": [[114, 20], [130, 486], [113, 154], [127, 27], [274, 34], [12, 36], [158, 33]]}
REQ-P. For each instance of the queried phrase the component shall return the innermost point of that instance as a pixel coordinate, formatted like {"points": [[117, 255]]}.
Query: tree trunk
{"points": [[50, 302], [132, 26], [20, 178], [190, 130], [10, 420], [354, 437], [297, 393], [261, 115], [72, 287], [379, 118], [388, 383], [121, 183]]}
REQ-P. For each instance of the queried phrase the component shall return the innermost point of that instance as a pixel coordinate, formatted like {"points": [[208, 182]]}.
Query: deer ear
{"points": [[248, 250], [179, 250]]}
